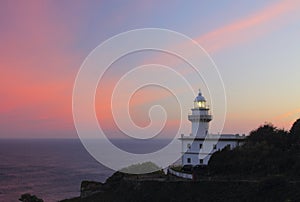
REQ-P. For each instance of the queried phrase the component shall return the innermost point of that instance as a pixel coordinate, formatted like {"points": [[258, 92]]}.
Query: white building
{"points": [[198, 147]]}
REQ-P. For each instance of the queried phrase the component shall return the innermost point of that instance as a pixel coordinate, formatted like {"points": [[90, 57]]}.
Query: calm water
{"points": [[51, 169]]}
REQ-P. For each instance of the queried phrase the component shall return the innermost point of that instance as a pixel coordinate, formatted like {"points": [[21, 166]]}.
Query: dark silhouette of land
{"points": [[265, 168]]}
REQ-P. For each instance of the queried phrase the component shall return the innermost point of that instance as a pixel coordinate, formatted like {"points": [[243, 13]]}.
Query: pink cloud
{"points": [[37, 70], [249, 28], [244, 30]]}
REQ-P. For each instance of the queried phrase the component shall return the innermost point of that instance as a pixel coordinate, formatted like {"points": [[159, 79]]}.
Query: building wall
{"points": [[196, 149], [200, 129], [194, 159]]}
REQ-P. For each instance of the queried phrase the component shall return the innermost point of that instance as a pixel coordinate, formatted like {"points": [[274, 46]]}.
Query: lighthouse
{"points": [[200, 117], [200, 144]]}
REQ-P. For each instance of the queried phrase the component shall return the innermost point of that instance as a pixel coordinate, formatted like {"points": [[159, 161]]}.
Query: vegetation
{"points": [[30, 198], [177, 168], [146, 167], [267, 151], [203, 191], [295, 130]]}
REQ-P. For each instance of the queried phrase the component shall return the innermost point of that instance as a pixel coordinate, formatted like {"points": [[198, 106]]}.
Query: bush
{"points": [[30, 198], [267, 151]]}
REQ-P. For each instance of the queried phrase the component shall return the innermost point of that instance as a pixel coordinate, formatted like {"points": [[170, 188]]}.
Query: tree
{"points": [[295, 130], [267, 151]]}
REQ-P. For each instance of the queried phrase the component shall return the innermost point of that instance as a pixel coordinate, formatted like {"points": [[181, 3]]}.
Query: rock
{"points": [[89, 188]]}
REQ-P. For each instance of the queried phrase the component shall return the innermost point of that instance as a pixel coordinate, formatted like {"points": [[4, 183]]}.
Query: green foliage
{"points": [[30, 198], [267, 151], [295, 130], [146, 167], [274, 189], [177, 168]]}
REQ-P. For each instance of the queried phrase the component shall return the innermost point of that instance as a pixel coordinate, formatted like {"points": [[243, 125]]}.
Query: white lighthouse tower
{"points": [[198, 147], [200, 117]]}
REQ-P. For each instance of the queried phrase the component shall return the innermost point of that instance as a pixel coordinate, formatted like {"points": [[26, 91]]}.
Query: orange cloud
{"points": [[286, 120]]}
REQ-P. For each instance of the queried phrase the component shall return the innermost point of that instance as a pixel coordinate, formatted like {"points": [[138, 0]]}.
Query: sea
{"points": [[52, 169]]}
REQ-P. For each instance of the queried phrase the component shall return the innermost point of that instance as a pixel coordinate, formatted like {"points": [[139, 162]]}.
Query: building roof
{"points": [[216, 137]]}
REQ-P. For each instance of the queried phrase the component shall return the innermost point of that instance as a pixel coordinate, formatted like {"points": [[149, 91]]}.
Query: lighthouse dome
{"points": [[200, 98]]}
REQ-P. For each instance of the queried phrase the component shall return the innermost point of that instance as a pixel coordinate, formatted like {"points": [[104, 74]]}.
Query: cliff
{"points": [[120, 187]]}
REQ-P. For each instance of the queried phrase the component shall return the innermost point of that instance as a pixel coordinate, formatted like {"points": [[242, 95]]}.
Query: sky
{"points": [[255, 45]]}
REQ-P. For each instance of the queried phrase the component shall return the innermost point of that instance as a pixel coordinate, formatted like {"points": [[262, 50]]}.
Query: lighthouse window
{"points": [[214, 146], [200, 146], [201, 104], [189, 146], [201, 161], [188, 160]]}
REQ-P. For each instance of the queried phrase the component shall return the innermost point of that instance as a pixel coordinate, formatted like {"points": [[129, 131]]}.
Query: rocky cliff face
{"points": [[89, 188], [121, 187]]}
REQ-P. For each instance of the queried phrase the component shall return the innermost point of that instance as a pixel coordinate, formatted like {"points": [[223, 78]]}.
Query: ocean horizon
{"points": [[52, 169]]}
